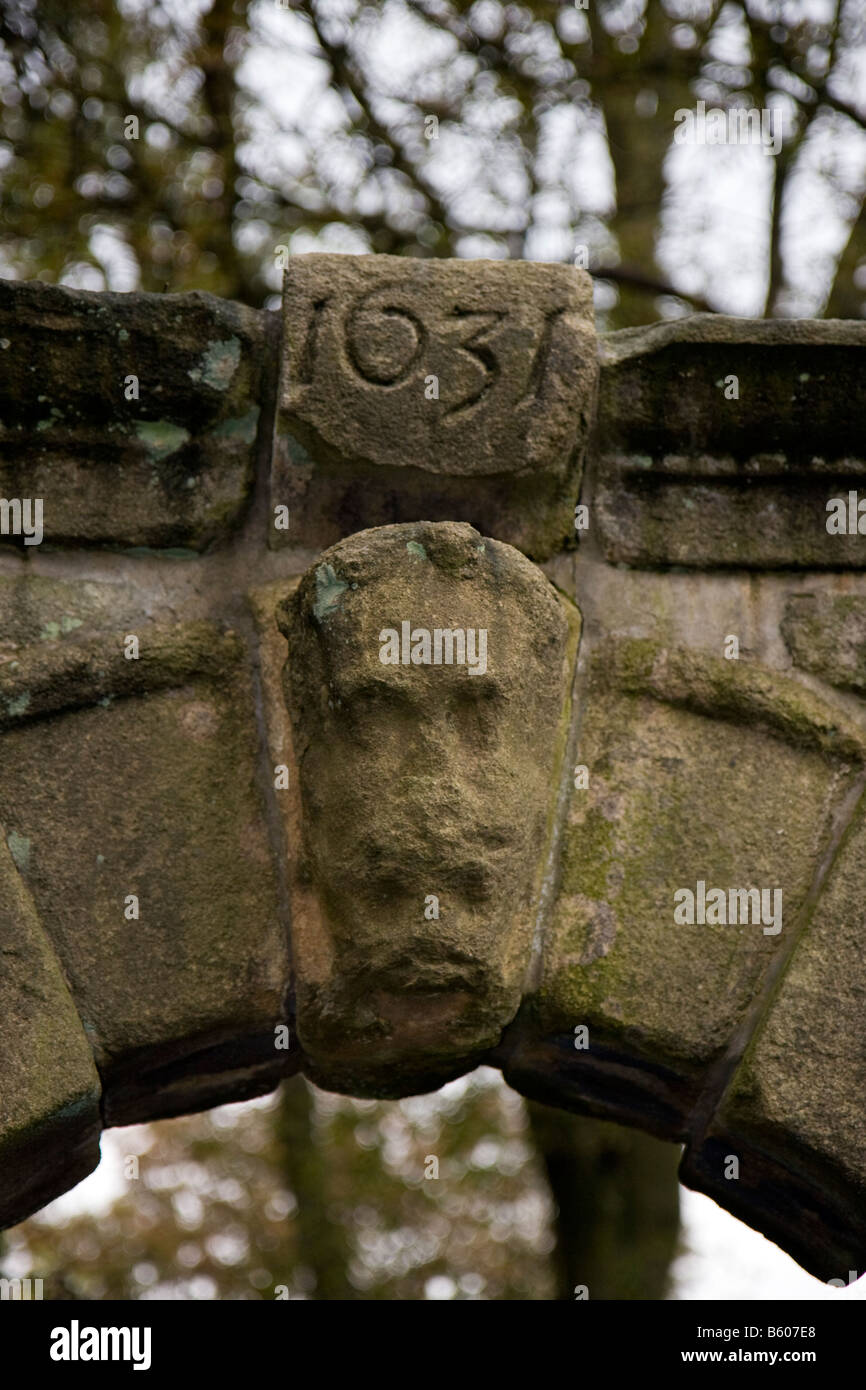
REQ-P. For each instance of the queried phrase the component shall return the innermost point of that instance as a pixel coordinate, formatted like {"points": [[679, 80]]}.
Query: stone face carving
{"points": [[428, 679], [290, 812]]}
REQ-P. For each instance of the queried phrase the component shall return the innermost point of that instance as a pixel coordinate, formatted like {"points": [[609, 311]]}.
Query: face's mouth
{"points": [[390, 877]]}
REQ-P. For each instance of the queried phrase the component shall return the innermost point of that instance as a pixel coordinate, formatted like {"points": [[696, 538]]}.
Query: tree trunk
{"points": [[847, 301], [617, 1202], [323, 1246]]}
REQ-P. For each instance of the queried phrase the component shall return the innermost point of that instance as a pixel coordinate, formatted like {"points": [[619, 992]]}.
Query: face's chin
{"points": [[411, 1025], [409, 1001]]}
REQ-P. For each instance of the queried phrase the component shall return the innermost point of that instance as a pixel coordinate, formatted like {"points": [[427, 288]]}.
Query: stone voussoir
{"points": [[720, 442], [133, 418]]}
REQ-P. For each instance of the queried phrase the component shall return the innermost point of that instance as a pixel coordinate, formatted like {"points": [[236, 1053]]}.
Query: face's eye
{"points": [[481, 691], [375, 699], [478, 708]]}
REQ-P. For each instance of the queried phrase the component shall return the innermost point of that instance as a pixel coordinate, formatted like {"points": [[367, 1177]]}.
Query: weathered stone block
{"points": [[145, 782], [44, 612], [418, 820], [170, 468], [794, 1112], [453, 390], [826, 634], [676, 745], [49, 1087], [688, 473]]}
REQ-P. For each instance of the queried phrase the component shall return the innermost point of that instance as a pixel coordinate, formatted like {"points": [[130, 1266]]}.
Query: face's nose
{"points": [[460, 730], [434, 735]]}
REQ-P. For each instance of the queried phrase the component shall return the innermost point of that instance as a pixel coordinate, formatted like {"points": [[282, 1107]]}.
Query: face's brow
{"points": [[367, 683]]}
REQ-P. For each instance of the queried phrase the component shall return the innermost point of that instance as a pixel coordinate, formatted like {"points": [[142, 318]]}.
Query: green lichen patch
{"points": [[161, 437], [242, 427], [218, 364], [329, 591], [19, 848]]}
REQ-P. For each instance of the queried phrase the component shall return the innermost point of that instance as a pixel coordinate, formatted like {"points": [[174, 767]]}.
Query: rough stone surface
{"points": [[284, 805], [144, 782], [794, 1110], [509, 351], [453, 781], [686, 475], [676, 745], [49, 1087], [172, 468], [826, 634]]}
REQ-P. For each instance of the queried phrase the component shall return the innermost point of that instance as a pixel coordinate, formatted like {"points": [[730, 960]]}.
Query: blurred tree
{"points": [[323, 1239], [617, 1205], [175, 146], [309, 1195]]}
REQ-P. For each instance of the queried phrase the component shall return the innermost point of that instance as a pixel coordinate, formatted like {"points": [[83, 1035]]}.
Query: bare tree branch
{"points": [[353, 85], [636, 279]]}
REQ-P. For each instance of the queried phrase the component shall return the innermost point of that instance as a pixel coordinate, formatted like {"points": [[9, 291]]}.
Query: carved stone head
{"points": [[427, 681]]}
